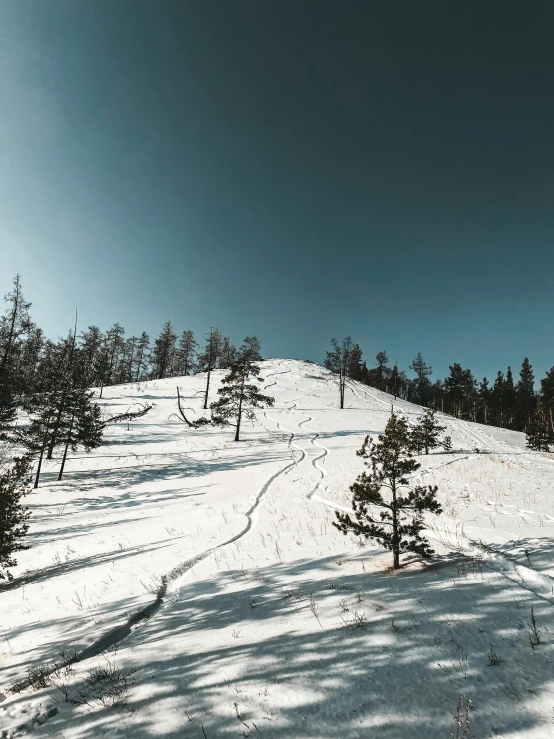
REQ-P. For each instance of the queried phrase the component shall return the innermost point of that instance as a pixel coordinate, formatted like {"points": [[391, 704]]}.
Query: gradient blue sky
{"points": [[298, 170]]}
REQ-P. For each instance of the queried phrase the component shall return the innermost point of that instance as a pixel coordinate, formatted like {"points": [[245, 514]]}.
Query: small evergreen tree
{"points": [[393, 518], [37, 434], [83, 425], [426, 433], [539, 435], [337, 361], [14, 484], [238, 396]]}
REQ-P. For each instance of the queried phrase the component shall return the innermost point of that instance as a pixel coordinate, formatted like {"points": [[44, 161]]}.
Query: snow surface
{"points": [[274, 624]]}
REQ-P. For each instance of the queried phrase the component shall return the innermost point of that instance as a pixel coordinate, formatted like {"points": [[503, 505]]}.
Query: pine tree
{"points": [[423, 372], [164, 350], [337, 361], [142, 357], [498, 401], [509, 397], [101, 369], [437, 395], [382, 369], [208, 359], [238, 396], [82, 425], [460, 389], [395, 380], [393, 518], [14, 484], [66, 381], [354, 369], [35, 437], [115, 339], [13, 326], [91, 342], [130, 349], [427, 431], [484, 394], [547, 395], [25, 375], [186, 353], [539, 435], [525, 397], [8, 408], [228, 354]]}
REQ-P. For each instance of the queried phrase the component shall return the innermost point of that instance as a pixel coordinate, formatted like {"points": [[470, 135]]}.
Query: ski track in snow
{"points": [[117, 635], [541, 585]]}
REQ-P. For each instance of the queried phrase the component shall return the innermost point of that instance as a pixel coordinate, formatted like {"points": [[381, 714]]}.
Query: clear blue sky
{"points": [[298, 170]]}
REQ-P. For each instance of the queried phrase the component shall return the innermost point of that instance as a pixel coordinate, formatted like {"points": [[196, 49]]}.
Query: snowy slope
{"points": [[274, 624]]}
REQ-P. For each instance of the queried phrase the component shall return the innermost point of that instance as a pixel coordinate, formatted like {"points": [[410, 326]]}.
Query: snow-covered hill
{"points": [[273, 623]]}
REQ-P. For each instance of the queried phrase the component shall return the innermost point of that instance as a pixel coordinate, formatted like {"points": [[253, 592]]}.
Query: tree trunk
{"points": [[68, 441], [131, 363], [208, 385], [239, 414], [395, 542], [42, 448], [138, 366], [56, 427]]}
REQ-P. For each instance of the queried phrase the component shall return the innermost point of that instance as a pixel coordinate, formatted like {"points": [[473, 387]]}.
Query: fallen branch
{"points": [[130, 415], [190, 424], [181, 411]]}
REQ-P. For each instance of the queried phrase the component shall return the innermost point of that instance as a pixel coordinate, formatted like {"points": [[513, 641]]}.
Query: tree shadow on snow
{"points": [[269, 668]]}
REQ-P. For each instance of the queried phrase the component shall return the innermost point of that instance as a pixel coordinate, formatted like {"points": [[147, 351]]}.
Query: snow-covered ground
{"points": [[274, 624]]}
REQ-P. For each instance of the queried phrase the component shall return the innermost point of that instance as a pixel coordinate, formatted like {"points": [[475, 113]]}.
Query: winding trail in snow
{"points": [[118, 634], [539, 584]]}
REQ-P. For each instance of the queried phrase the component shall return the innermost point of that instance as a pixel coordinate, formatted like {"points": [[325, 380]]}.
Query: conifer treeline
{"points": [[31, 364], [506, 402]]}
